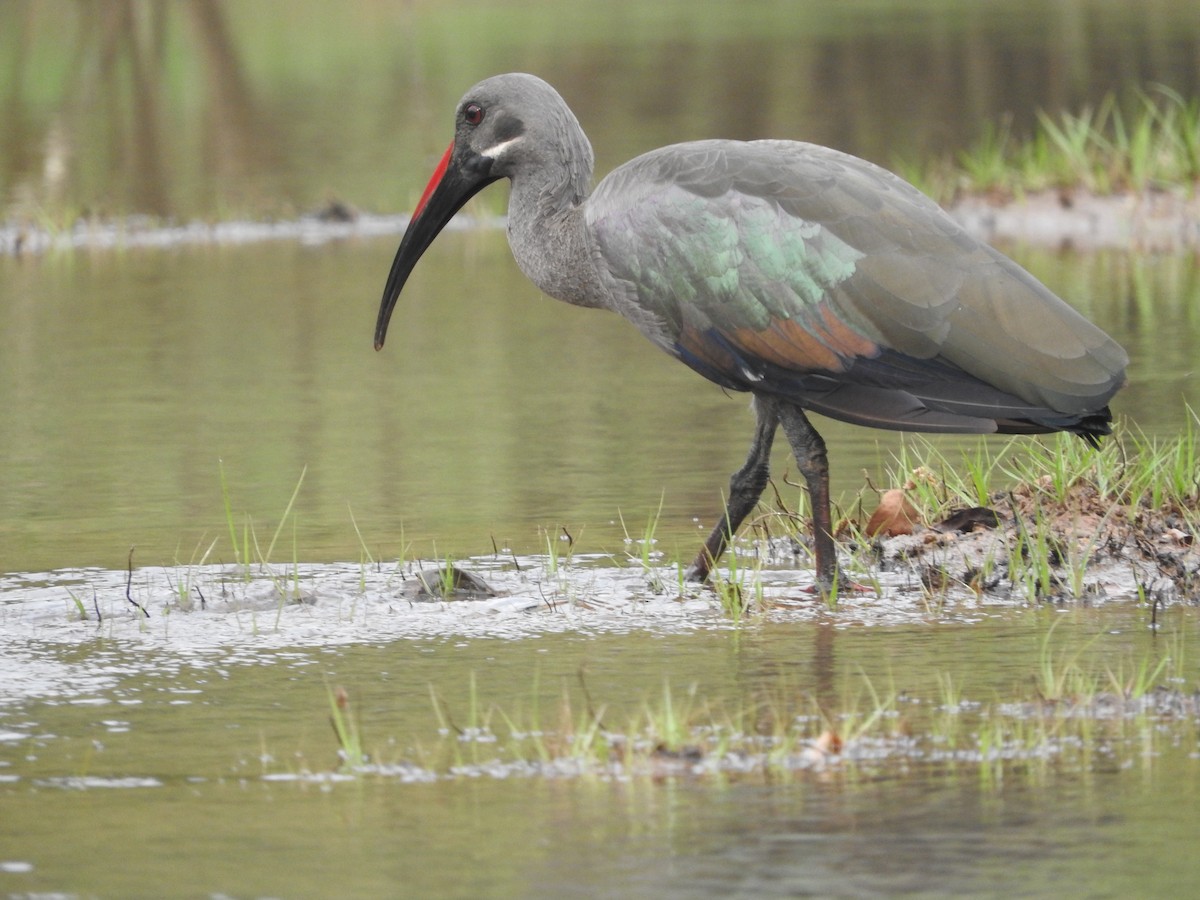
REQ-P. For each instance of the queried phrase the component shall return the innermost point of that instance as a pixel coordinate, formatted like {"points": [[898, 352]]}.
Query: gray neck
{"points": [[546, 229], [555, 254]]}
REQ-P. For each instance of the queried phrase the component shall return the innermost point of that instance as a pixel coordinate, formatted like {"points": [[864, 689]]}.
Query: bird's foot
{"points": [[702, 565]]}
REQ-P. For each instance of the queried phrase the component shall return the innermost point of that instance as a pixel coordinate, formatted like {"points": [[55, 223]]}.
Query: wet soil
{"points": [[1080, 546]]}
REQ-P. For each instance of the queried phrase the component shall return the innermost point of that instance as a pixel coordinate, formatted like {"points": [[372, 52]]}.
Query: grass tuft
{"points": [[346, 730], [1150, 142], [1066, 710]]}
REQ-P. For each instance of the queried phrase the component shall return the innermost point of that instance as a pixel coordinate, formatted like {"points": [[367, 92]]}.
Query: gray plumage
{"points": [[813, 279]]}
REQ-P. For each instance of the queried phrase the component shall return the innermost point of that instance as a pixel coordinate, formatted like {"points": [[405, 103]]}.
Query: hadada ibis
{"points": [[814, 280]]}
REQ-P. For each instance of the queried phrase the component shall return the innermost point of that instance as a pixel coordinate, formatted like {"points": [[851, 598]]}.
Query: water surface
{"points": [[157, 398], [133, 379], [195, 740]]}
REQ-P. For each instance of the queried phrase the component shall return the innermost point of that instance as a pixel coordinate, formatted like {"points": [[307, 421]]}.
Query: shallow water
{"points": [[132, 380], [130, 377], [171, 751], [160, 397]]}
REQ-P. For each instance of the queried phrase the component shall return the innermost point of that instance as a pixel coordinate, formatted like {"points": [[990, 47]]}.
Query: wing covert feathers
{"points": [[797, 270]]}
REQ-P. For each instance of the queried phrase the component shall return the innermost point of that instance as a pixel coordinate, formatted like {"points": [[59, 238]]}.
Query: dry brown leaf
{"points": [[894, 516], [828, 742]]}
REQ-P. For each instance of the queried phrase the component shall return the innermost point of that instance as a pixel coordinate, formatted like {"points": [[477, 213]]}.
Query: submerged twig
{"points": [[512, 555], [129, 586]]}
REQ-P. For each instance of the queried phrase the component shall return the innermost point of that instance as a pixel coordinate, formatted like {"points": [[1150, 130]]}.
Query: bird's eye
{"points": [[473, 113]]}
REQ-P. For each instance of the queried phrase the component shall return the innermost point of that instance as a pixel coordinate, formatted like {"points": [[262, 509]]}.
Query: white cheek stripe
{"points": [[494, 152]]}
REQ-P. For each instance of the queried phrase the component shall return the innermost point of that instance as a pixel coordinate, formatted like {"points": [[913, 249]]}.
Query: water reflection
{"points": [[115, 134], [207, 108], [194, 713]]}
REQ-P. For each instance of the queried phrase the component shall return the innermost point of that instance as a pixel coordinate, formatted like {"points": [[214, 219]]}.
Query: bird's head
{"points": [[504, 127]]}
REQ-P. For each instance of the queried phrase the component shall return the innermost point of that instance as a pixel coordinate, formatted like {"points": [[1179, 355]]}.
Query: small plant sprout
{"points": [[184, 581], [1133, 679], [738, 586], [80, 609], [556, 557], [241, 551], [1060, 675], [646, 556], [443, 582], [670, 725], [347, 730], [265, 558], [365, 557]]}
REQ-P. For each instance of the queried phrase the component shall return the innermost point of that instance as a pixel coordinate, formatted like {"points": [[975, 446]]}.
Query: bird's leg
{"points": [[813, 463], [745, 487]]}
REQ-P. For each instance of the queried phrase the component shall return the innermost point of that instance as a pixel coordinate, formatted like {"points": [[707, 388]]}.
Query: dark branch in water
{"points": [[496, 553], [129, 585], [96, 606]]}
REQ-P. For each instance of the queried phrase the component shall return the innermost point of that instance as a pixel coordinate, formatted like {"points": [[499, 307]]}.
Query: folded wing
{"points": [[800, 271]]}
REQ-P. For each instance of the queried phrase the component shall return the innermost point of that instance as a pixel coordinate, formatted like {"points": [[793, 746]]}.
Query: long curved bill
{"points": [[451, 186]]}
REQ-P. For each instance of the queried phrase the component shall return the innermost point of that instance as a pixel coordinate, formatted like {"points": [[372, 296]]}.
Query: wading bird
{"points": [[812, 279]]}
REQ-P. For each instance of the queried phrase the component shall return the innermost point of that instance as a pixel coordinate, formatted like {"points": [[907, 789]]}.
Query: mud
{"points": [[1081, 547], [331, 223], [1149, 221]]}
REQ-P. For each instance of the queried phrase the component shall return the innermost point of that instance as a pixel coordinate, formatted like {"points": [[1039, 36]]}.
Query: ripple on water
{"points": [[220, 617]]}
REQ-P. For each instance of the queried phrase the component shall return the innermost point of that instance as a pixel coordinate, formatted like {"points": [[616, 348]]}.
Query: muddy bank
{"points": [[1080, 547], [335, 222], [1150, 221], [1158, 221]]}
